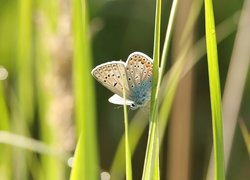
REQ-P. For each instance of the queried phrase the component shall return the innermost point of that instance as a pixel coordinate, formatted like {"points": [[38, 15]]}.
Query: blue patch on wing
{"points": [[141, 94]]}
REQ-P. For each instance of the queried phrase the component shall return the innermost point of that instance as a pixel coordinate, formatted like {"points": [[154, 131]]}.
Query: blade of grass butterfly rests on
{"points": [[127, 148], [135, 130], [138, 123], [215, 92]]}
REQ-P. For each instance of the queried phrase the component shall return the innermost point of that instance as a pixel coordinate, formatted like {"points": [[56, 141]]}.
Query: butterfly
{"points": [[137, 74]]}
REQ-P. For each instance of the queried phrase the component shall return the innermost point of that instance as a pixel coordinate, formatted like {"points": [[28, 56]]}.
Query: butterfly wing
{"points": [[115, 99], [110, 76], [139, 68]]}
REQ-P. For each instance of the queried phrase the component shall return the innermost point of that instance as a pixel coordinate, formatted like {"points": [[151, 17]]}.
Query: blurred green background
{"points": [[37, 98]]}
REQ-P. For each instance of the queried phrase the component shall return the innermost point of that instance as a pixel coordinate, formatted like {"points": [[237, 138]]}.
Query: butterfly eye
{"points": [[133, 106]]}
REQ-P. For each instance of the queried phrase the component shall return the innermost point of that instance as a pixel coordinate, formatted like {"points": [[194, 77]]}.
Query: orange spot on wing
{"points": [[149, 65]]}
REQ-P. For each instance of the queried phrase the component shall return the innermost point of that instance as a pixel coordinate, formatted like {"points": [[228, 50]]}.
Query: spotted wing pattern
{"points": [[139, 68], [110, 75]]}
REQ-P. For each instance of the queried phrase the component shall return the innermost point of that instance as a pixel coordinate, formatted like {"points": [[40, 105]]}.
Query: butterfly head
{"points": [[133, 106]]}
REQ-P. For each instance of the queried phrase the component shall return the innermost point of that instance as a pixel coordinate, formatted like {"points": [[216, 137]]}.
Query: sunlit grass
{"points": [[85, 164], [215, 94], [151, 162], [127, 146], [5, 155], [24, 108]]}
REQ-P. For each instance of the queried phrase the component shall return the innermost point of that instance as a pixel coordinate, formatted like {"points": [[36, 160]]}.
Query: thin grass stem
{"points": [[127, 148]]}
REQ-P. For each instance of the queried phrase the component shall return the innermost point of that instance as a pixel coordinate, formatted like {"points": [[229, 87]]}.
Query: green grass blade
{"points": [[215, 93], [86, 157], [127, 148], [238, 66], [4, 123], [152, 153], [25, 84], [25, 62], [135, 130], [167, 39], [5, 154]]}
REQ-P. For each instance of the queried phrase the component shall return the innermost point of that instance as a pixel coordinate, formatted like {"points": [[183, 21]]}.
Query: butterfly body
{"points": [[137, 75]]}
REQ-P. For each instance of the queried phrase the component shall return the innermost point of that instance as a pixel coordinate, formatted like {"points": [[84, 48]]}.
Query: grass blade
{"points": [[25, 62], [236, 81], [25, 83], [5, 154], [86, 158], [127, 148], [215, 92], [152, 153], [167, 39]]}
